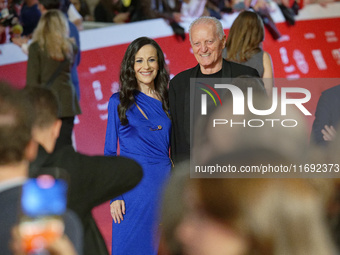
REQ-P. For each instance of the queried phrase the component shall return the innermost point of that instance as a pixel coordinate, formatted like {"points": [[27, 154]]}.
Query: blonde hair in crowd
{"points": [[52, 35], [245, 37]]}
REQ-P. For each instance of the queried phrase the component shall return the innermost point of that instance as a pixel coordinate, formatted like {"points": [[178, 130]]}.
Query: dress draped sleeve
{"points": [[112, 128], [113, 122]]}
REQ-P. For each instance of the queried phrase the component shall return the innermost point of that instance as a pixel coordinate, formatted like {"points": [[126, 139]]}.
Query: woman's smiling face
{"points": [[146, 65]]}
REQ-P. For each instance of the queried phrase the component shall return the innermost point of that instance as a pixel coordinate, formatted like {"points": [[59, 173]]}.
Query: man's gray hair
{"points": [[208, 20]]}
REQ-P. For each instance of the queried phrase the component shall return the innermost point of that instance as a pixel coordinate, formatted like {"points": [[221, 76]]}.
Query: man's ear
{"points": [[224, 40], [56, 128], [31, 150]]}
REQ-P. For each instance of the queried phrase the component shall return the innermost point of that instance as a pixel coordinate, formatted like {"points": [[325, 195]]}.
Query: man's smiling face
{"points": [[207, 46]]}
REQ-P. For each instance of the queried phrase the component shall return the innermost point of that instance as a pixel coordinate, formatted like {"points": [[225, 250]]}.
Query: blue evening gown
{"points": [[143, 141]]}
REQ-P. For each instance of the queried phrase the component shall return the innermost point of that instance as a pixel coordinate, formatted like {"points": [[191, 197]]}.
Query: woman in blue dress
{"points": [[138, 117]]}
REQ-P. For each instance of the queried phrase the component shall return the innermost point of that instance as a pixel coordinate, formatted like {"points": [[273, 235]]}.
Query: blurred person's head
{"points": [[173, 208], [207, 40], [16, 120], [245, 36], [331, 152], [330, 157], [52, 35], [143, 64], [46, 126], [3, 4], [235, 216]]}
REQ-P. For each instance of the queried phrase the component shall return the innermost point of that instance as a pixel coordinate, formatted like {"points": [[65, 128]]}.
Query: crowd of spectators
{"points": [[18, 18]]}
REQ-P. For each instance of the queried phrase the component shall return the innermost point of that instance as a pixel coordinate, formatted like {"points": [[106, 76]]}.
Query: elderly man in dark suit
{"points": [[93, 179], [207, 40]]}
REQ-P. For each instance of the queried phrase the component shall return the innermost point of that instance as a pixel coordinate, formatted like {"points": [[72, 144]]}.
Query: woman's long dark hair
{"points": [[128, 82]]}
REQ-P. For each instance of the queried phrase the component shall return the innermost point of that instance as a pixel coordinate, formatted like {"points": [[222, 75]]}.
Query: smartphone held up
{"points": [[43, 203]]}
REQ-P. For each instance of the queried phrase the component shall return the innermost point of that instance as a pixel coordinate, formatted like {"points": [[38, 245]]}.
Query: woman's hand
{"points": [[117, 209]]}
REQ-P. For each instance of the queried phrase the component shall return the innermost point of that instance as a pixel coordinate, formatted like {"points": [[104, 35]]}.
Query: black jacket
{"points": [[93, 180], [180, 110]]}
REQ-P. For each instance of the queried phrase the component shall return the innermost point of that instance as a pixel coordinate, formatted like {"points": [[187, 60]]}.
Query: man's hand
{"points": [[329, 133]]}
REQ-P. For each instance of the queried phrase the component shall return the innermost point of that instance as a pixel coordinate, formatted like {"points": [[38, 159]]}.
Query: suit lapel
{"points": [[189, 107]]}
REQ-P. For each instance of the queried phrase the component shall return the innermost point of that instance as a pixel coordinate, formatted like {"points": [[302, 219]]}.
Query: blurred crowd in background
{"points": [[18, 18]]}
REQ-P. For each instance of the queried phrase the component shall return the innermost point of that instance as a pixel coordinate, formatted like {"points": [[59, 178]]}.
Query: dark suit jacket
{"points": [[92, 181], [179, 101], [327, 113], [10, 215]]}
